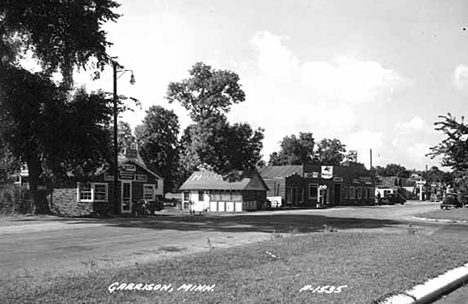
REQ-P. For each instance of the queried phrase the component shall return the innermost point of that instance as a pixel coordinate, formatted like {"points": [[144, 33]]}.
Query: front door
{"points": [[126, 197], [337, 194]]}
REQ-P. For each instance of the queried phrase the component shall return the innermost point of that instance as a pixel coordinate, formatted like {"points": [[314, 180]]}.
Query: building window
{"points": [[301, 195], [289, 195], [92, 192], [148, 192], [186, 197], [85, 192], [359, 193], [236, 196], [100, 192], [345, 192], [225, 196], [365, 193], [313, 191], [352, 193], [371, 193], [201, 196], [215, 196]]}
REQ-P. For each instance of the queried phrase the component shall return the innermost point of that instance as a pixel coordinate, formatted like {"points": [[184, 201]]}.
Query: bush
{"points": [[14, 199]]}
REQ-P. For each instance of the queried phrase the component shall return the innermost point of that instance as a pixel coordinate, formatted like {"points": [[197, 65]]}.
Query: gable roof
{"points": [[280, 171], [206, 180], [136, 161]]}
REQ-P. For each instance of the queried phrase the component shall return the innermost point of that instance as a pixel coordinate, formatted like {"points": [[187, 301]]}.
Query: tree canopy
{"points": [[454, 148], [61, 34], [157, 137], [208, 92], [330, 152], [211, 142], [44, 126], [294, 150], [392, 170]]}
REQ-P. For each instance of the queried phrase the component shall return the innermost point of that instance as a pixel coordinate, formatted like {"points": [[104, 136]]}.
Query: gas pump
{"points": [[322, 196]]}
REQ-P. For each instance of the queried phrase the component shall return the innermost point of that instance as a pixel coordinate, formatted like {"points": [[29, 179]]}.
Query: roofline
{"points": [[136, 163]]}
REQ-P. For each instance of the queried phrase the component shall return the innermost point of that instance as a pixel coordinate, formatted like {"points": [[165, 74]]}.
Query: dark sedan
{"points": [[392, 199], [450, 201]]}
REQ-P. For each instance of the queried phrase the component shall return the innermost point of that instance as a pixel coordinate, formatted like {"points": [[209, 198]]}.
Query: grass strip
{"points": [[368, 264]]}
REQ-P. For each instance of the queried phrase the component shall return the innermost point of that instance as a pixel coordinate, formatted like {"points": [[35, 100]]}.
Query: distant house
{"points": [[386, 185], [208, 191], [408, 187]]}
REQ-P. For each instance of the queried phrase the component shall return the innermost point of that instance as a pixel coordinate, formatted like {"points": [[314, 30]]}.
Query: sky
{"points": [[374, 74]]}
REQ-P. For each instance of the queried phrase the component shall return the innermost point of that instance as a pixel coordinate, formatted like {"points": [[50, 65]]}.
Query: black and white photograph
{"points": [[220, 151]]}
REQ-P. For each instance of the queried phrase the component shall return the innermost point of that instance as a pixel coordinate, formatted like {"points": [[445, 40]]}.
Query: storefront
{"points": [[135, 183], [312, 185]]}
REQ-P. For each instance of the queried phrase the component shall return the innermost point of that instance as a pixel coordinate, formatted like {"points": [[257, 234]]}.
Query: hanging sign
{"points": [[327, 172]]}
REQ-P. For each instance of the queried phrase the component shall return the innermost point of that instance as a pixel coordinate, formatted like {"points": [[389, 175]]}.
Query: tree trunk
{"points": [[39, 203]]}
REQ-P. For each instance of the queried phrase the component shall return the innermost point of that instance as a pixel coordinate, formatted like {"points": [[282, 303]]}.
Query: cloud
{"points": [[353, 81], [460, 78], [343, 79], [416, 123], [274, 59]]}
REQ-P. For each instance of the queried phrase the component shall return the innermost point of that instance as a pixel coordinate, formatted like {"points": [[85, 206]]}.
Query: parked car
{"points": [[451, 201], [392, 199]]}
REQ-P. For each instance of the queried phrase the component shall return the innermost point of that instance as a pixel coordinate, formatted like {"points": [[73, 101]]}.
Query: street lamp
{"points": [[117, 68]]}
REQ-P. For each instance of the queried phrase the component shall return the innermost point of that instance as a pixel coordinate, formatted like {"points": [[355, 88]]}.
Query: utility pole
{"points": [[116, 147], [115, 166]]}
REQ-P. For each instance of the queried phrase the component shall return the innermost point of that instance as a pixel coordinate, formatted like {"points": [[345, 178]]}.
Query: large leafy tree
{"points": [[224, 147], [454, 148], [158, 142], [212, 142], [35, 117], [295, 150], [208, 92], [61, 34], [330, 152]]}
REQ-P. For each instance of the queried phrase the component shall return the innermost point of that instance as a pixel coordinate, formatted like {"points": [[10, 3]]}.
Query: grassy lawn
{"points": [[458, 214], [369, 265]]}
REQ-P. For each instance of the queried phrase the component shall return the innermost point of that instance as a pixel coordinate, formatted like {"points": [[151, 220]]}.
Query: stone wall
{"points": [[63, 202]]}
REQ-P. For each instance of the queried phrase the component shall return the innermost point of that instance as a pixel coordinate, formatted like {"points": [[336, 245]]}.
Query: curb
{"points": [[429, 291], [439, 220]]}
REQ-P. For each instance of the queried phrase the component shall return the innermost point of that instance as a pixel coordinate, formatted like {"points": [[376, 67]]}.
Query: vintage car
{"points": [[450, 201], [392, 199]]}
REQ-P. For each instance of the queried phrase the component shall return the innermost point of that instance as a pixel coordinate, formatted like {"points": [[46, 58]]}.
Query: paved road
{"points": [[459, 296], [35, 247]]}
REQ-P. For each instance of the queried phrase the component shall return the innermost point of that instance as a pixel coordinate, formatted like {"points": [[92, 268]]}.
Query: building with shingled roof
{"points": [[209, 191]]}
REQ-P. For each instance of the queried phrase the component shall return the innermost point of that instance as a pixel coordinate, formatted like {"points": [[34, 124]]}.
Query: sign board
{"points": [[327, 172], [108, 177], [128, 167], [141, 177], [364, 178], [126, 175], [337, 179], [311, 174]]}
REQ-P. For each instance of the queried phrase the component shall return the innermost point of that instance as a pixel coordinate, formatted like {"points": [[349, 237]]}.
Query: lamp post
{"points": [[116, 66]]}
